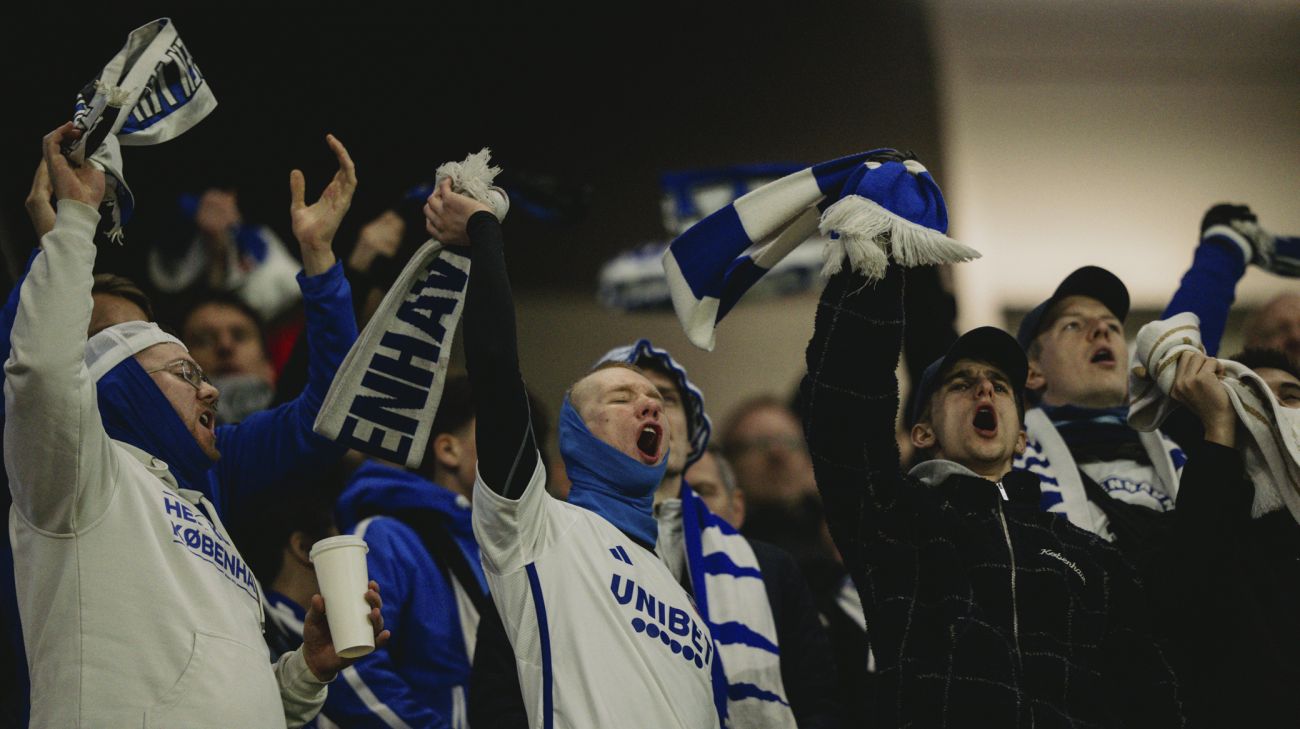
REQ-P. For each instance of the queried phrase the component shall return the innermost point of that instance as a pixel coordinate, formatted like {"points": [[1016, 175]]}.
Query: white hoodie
{"points": [[136, 608]]}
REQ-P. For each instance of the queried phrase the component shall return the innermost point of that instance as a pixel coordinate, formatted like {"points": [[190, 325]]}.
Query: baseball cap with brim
{"points": [[985, 344], [1091, 281]]}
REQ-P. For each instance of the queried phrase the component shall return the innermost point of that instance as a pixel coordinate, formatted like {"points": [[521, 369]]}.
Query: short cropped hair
{"points": [[455, 409], [111, 284]]}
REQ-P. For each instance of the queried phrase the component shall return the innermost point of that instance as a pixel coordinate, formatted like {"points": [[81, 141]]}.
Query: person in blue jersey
{"points": [[422, 549], [259, 454], [602, 633]]}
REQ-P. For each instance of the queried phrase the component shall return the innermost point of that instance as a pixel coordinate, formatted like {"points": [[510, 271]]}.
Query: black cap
{"points": [[1091, 281], [985, 344]]}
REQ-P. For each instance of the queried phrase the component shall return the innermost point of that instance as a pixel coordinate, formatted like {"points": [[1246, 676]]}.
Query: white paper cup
{"points": [[341, 573]]}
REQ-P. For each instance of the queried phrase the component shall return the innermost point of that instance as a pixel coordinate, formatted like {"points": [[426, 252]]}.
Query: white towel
{"points": [[384, 398], [1271, 442]]}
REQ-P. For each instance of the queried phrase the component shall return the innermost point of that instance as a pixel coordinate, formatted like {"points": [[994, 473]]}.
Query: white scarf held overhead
{"points": [[1272, 445], [149, 93], [385, 396]]}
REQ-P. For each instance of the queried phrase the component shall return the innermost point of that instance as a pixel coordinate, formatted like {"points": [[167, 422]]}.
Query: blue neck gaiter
{"points": [[135, 411], [608, 482]]}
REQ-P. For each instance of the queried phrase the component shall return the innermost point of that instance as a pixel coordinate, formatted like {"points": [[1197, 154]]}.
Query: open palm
{"points": [[315, 225]]}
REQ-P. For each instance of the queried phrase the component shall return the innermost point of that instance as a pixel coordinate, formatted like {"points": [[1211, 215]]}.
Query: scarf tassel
{"points": [[863, 231]]}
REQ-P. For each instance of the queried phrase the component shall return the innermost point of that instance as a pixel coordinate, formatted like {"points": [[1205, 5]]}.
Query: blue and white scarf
{"points": [[731, 597], [871, 205], [384, 398], [149, 93]]}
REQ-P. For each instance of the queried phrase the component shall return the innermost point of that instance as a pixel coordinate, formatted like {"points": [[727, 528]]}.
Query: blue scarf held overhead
{"points": [[874, 206], [608, 482], [135, 411]]}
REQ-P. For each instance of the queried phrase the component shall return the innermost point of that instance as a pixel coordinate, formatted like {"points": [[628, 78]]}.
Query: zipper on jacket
{"points": [[1015, 606]]}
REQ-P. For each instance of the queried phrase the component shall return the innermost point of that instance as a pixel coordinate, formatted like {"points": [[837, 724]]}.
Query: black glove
{"points": [[1224, 214]]}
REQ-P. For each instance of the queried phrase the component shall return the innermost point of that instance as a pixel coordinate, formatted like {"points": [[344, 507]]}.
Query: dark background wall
{"points": [[603, 98]]}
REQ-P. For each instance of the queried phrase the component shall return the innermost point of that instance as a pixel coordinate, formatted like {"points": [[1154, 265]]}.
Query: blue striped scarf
{"points": [[874, 206], [732, 599]]}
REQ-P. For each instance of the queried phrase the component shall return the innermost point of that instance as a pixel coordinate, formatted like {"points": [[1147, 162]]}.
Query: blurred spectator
{"points": [[227, 254], [714, 480], [422, 549], [225, 337], [1276, 325], [765, 444]]}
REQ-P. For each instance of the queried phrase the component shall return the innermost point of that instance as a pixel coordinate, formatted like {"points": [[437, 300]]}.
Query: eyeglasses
{"points": [[186, 370]]}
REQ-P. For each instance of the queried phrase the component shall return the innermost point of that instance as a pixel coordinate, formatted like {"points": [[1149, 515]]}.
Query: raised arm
{"points": [[57, 454], [270, 446], [851, 400], [507, 449]]}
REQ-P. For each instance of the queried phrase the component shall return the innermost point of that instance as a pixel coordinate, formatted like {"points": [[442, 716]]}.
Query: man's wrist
{"points": [[315, 262]]}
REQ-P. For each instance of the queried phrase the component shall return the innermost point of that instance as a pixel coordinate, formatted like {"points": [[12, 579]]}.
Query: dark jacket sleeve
{"points": [[850, 396], [507, 449], [495, 699], [271, 445], [807, 665]]}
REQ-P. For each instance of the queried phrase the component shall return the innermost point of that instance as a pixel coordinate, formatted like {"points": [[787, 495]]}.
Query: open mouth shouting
{"points": [[985, 421], [648, 443], [1104, 356], [208, 419]]}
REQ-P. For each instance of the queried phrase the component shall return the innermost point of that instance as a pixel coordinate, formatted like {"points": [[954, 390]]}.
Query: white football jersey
{"points": [[602, 633]]}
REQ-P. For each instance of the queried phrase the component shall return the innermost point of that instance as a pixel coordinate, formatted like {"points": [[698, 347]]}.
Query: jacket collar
{"points": [[157, 466], [968, 492]]}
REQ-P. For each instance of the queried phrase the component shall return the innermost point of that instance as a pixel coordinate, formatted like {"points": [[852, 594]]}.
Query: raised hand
{"points": [[85, 183], [1198, 386], [380, 237], [315, 225], [446, 214], [318, 644]]}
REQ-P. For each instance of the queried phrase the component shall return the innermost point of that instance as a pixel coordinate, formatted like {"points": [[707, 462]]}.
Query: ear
{"points": [[299, 547], [447, 451], [1021, 442], [1036, 380], [738, 508], [923, 436]]}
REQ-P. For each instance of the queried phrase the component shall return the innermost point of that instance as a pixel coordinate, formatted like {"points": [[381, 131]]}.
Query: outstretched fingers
{"points": [[347, 168]]}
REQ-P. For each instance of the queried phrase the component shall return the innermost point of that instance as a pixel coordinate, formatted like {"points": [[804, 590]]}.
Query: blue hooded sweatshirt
{"points": [[422, 677]]}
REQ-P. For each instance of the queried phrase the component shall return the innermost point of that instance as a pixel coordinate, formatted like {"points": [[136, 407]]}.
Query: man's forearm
{"points": [[50, 400], [507, 451], [851, 401]]}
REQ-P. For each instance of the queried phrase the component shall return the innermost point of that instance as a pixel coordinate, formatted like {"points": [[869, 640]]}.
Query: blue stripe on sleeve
{"points": [[543, 631]]}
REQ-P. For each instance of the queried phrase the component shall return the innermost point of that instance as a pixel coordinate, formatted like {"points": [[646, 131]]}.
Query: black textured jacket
{"points": [[981, 609], [807, 665], [1227, 590]]}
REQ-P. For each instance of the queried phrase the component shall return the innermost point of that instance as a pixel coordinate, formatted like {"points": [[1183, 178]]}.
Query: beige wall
{"points": [[1099, 133], [759, 349]]}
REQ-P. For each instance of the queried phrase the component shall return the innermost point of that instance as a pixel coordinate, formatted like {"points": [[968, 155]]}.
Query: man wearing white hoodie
{"points": [[136, 607]]}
